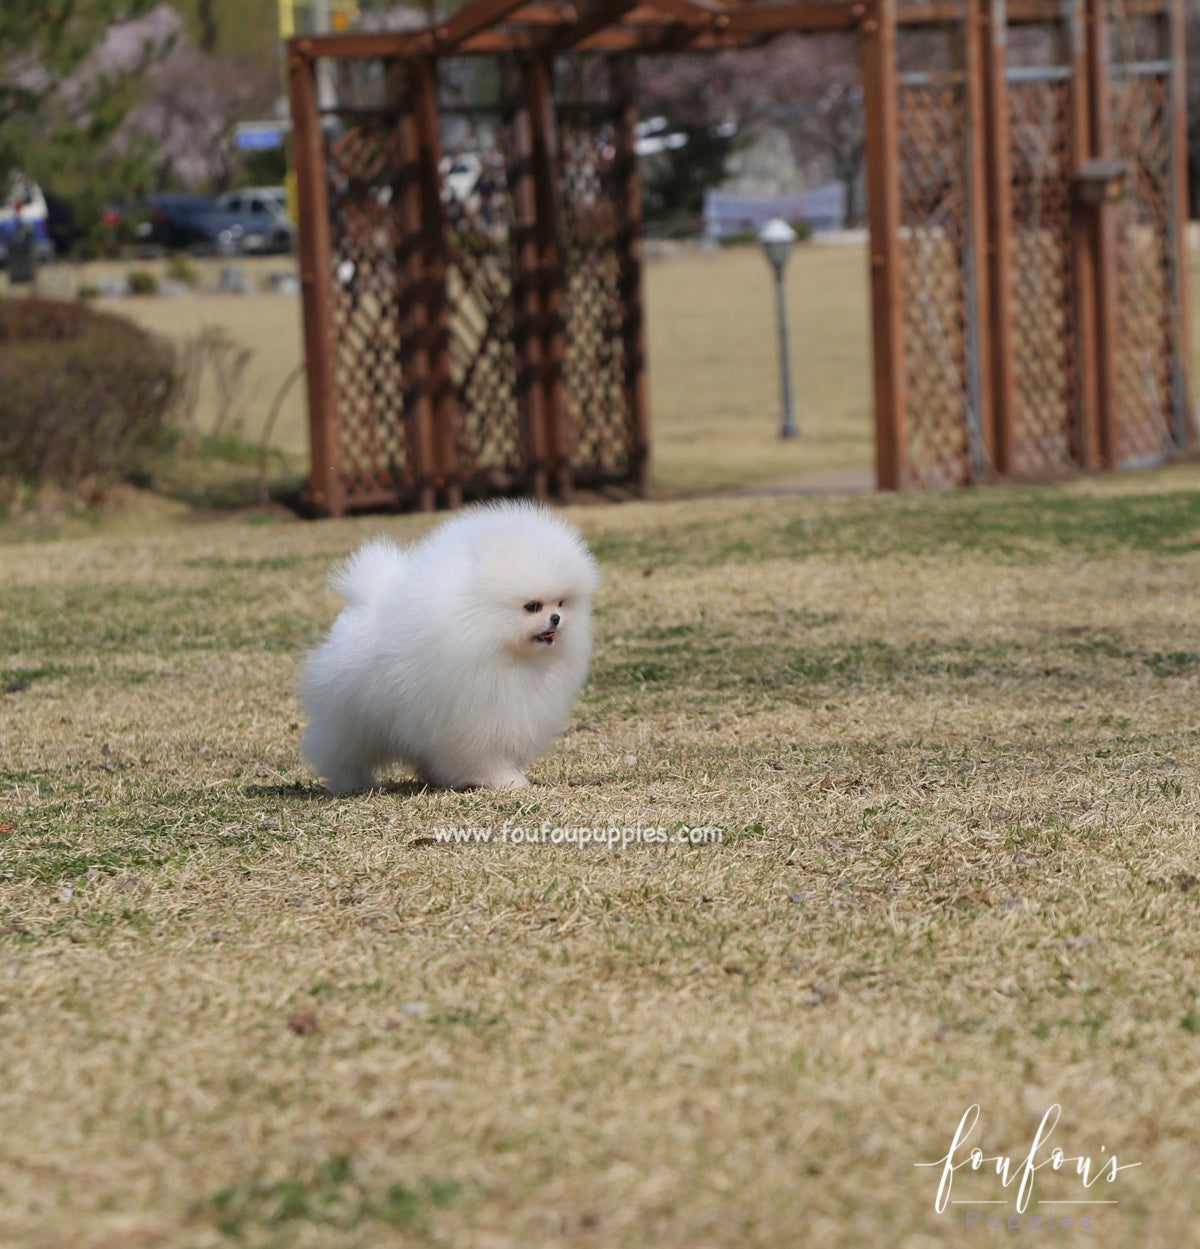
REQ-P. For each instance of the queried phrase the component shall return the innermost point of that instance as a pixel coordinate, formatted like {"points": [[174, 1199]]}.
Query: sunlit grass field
{"points": [[903, 808], [950, 744]]}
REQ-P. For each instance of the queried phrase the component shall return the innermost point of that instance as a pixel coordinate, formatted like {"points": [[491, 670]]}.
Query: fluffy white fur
{"points": [[460, 655]]}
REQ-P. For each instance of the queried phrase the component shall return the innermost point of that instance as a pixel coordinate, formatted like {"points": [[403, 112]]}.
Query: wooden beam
{"points": [[544, 14], [689, 12], [883, 213], [1104, 242], [1185, 431], [326, 488], [468, 21], [547, 172], [356, 44], [499, 40], [434, 276], [595, 20], [719, 31], [1019, 12], [629, 244], [415, 310], [980, 154], [493, 26], [998, 192], [442, 39], [527, 286], [779, 19], [1086, 433]]}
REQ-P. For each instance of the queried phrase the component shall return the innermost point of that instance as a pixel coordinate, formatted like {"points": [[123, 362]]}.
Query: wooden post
{"points": [[1001, 430], [1083, 244], [549, 231], [443, 400], [629, 245], [326, 488], [1104, 241], [980, 342], [414, 329], [880, 88], [1185, 428], [527, 279]]}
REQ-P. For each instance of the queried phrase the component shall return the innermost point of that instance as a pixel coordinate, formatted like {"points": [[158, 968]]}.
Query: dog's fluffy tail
{"points": [[374, 565]]}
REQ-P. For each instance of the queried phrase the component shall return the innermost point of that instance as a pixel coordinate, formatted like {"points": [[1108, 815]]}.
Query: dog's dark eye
{"points": [[562, 602], [533, 606]]}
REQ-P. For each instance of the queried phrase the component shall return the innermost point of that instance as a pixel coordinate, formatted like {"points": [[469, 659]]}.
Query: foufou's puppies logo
{"points": [[1023, 1170]]}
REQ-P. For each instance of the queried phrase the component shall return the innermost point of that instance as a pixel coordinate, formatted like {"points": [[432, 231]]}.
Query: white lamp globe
{"points": [[777, 238]]}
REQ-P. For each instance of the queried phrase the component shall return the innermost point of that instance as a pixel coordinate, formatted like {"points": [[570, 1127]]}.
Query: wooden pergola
{"points": [[1025, 202]]}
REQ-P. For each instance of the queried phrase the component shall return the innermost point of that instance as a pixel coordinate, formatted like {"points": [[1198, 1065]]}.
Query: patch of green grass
{"points": [[697, 660], [57, 863], [101, 620], [1173, 663], [88, 926], [15, 680], [1013, 525], [333, 1194], [267, 563], [465, 1017]]}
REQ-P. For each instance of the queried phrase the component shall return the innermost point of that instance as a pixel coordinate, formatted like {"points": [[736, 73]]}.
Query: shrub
{"points": [[141, 282], [180, 269], [83, 394]]}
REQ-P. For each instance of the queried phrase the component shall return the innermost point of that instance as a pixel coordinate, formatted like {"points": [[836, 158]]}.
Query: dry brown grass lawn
{"points": [[714, 371], [952, 746]]}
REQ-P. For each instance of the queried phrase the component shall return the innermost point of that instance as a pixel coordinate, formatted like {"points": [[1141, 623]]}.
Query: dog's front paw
{"points": [[340, 784], [503, 778]]}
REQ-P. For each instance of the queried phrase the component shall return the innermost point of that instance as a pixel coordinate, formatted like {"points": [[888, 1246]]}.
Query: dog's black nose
{"points": [[554, 619]]}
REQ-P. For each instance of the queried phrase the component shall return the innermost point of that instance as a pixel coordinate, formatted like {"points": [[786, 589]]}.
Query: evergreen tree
{"points": [[62, 98]]}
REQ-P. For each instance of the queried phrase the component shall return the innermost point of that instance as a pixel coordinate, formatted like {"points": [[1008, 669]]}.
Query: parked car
{"points": [[23, 211], [183, 220], [268, 200], [266, 207], [61, 223]]}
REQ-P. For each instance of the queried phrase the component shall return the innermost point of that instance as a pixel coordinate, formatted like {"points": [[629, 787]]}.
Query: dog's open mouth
{"points": [[546, 638]]}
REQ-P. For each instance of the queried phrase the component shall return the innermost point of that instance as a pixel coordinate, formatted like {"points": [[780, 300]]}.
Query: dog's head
{"points": [[537, 578]]}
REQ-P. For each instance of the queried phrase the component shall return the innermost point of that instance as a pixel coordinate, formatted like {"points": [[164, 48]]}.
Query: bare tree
{"points": [[808, 86], [192, 104]]}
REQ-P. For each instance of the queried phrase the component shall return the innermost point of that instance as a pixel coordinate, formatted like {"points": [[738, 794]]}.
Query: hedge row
{"points": [[83, 394]]}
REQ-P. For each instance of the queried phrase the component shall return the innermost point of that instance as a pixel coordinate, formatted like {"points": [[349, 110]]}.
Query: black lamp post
{"points": [[777, 238]]}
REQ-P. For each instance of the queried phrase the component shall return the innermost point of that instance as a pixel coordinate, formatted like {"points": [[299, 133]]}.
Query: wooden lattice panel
{"points": [[1044, 311], [478, 229], [362, 170], [471, 274], [934, 291], [469, 339], [1148, 336], [595, 363]]}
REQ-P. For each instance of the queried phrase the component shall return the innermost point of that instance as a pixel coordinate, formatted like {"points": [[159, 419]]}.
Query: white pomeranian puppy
{"points": [[460, 655]]}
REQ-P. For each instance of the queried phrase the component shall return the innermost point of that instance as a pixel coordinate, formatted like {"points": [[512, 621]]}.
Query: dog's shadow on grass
{"points": [[314, 791]]}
